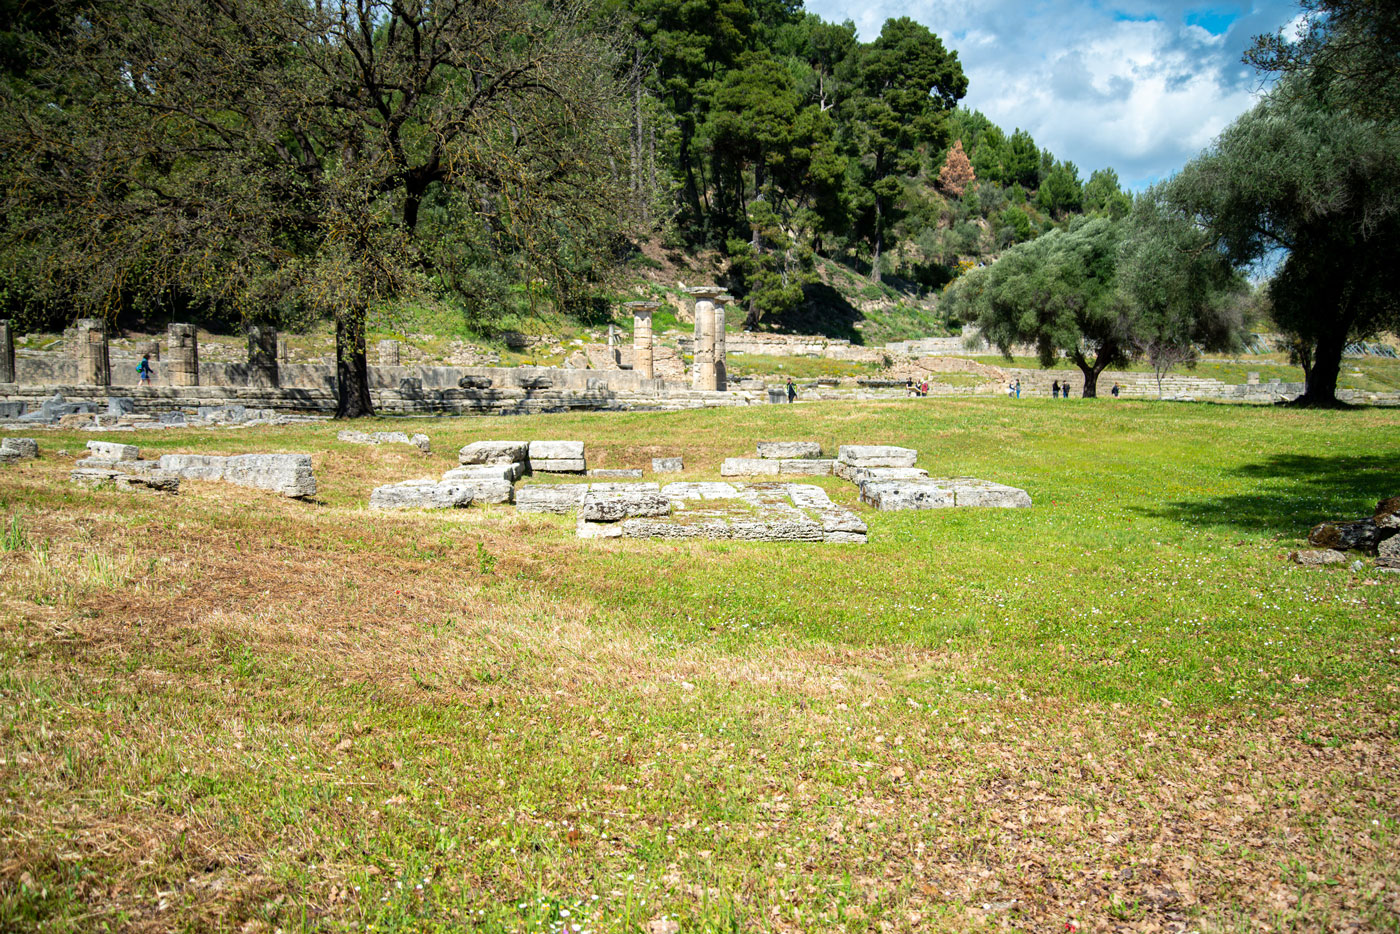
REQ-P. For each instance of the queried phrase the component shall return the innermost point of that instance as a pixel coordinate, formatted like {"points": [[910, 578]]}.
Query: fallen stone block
{"points": [[108, 450], [748, 467], [489, 491], [559, 498], [556, 450], [699, 491], [971, 492], [288, 474], [120, 405], [558, 465], [876, 455], [11, 409], [605, 506], [103, 463], [195, 466], [814, 467], [586, 529], [859, 475], [782, 450], [667, 464], [507, 472], [621, 473], [494, 452], [1390, 548], [158, 481], [421, 494], [891, 495], [351, 436], [172, 418], [1318, 557], [223, 413], [14, 449]]}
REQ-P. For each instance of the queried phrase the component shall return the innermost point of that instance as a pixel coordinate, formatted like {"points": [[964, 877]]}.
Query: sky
{"points": [[1139, 86]]}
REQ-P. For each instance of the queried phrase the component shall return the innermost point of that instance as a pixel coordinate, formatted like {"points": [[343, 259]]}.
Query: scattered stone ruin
{"points": [[120, 465], [1377, 536], [420, 441]]}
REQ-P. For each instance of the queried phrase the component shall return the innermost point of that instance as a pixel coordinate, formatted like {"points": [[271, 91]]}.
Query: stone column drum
{"points": [[7, 352], [703, 374], [182, 347], [388, 353], [262, 357], [643, 360], [94, 367], [721, 368]]}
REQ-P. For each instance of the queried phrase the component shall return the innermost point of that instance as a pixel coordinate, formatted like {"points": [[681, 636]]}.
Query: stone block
{"points": [[223, 413], [603, 506], [556, 451], [158, 481], [699, 491], [624, 473], [494, 452], [11, 409], [890, 495], [489, 491], [748, 467], [780, 450], [1318, 557], [288, 474], [107, 450], [876, 455], [968, 492], [586, 529], [421, 494], [1389, 548], [172, 418], [815, 467], [18, 448], [667, 464], [120, 405], [507, 472], [77, 420], [558, 465], [859, 475], [557, 498], [194, 466]]}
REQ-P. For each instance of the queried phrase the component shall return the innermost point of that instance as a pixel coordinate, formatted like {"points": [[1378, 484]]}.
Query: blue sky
{"points": [[1140, 86]]}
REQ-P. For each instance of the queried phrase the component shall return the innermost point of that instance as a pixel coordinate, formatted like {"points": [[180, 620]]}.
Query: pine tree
{"points": [[957, 172]]}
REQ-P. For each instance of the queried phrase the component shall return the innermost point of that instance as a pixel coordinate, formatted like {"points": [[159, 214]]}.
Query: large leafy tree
{"points": [[282, 152], [1319, 186], [903, 85]]}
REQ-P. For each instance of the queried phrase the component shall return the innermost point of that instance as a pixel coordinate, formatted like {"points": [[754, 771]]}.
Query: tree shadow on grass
{"points": [[1292, 493]]}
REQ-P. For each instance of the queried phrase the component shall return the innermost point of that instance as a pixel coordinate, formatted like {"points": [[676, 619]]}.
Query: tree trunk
{"points": [[879, 236], [351, 369], [1326, 367], [1091, 372]]}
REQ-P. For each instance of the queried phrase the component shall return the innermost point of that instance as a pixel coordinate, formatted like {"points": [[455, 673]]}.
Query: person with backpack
{"points": [[143, 370]]}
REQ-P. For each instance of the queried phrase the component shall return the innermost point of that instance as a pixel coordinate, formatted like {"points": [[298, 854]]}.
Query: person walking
{"points": [[143, 370], [1055, 389], [1115, 390], [792, 391], [1018, 389]]}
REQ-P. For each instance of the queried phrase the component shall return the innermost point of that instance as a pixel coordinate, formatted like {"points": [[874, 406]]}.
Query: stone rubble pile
{"points": [[420, 441], [780, 457], [120, 465], [121, 415], [1378, 535], [769, 512]]}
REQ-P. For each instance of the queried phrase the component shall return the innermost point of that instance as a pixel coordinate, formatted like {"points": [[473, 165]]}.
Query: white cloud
{"points": [[1141, 87]]}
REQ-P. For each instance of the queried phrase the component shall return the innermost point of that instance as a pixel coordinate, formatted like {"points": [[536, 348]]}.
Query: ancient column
{"points": [[182, 346], [721, 370], [642, 354], [284, 352], [262, 356], [7, 352], [703, 373], [388, 353], [94, 369]]}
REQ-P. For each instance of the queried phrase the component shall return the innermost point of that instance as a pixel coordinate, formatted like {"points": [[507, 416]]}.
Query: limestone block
{"points": [[817, 467], [889, 495], [489, 491], [158, 481], [288, 474], [558, 465], [779, 450], [605, 506], [699, 491], [624, 473], [859, 475], [222, 413], [18, 448], [195, 466], [172, 418], [557, 498], [556, 450], [107, 450], [507, 472], [806, 496], [1316, 558], [494, 452], [586, 529], [421, 494], [120, 405], [969, 492], [748, 467], [876, 455], [1389, 548], [667, 464]]}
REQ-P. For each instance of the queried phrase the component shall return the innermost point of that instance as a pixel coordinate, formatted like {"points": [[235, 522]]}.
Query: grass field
{"points": [[1120, 710], [1367, 374]]}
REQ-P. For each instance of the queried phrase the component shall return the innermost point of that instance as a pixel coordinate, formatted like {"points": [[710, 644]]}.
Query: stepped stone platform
{"points": [[119, 465], [771, 512]]}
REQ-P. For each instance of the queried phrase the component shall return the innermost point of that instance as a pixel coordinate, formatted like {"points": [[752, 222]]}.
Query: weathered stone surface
{"points": [[494, 452], [13, 449], [609, 487], [748, 467], [815, 467], [781, 450], [490, 491], [890, 495], [106, 463], [876, 455], [556, 450], [1362, 534], [1389, 548], [558, 465], [419, 441], [422, 494], [586, 529], [508, 472], [971, 492], [1319, 557], [194, 466], [691, 491], [557, 498], [288, 474], [667, 464], [120, 405], [107, 450], [859, 475], [621, 473], [604, 506], [158, 481], [222, 413]]}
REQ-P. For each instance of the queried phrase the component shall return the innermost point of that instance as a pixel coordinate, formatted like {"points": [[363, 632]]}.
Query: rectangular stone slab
{"points": [[876, 455], [667, 464], [195, 466], [494, 452], [559, 465], [814, 467], [890, 495], [780, 450], [421, 494], [971, 492], [557, 498], [556, 450], [689, 491], [859, 475], [614, 507], [489, 491], [748, 467], [620, 473], [19, 448], [108, 450], [288, 474], [508, 472]]}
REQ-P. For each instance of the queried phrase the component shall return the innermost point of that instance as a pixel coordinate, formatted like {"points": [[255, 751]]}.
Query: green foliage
{"points": [[1103, 195]]}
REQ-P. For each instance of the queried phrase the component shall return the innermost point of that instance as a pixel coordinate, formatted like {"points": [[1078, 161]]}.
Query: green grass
{"points": [[1362, 373], [740, 365], [225, 710]]}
